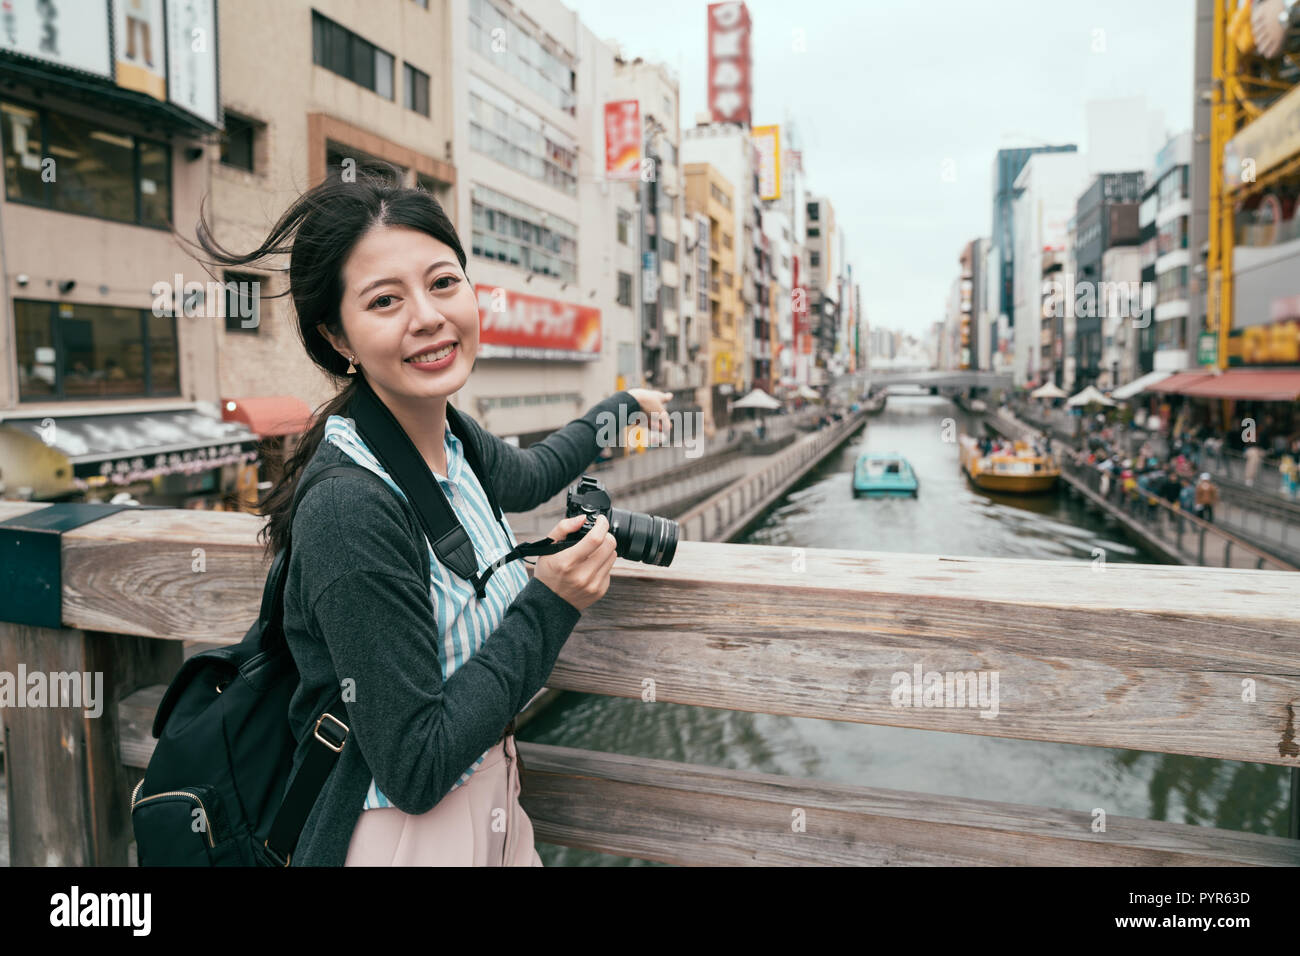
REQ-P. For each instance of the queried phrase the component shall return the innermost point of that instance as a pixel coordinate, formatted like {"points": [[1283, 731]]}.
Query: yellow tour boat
{"points": [[1021, 473]]}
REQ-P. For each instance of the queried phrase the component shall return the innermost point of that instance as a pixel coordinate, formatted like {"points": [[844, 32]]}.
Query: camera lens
{"points": [[649, 539]]}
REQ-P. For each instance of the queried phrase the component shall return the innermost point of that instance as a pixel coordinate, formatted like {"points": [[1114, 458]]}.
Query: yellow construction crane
{"points": [[1255, 64]]}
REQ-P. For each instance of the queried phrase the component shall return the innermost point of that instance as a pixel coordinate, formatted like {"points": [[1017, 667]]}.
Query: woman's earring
{"points": [[351, 370]]}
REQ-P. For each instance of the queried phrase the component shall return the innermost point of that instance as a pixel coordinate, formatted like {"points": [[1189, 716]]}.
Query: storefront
{"points": [[183, 458], [277, 421], [1227, 403]]}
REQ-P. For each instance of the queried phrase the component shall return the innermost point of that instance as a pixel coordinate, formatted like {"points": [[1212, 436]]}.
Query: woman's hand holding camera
{"points": [[579, 574]]}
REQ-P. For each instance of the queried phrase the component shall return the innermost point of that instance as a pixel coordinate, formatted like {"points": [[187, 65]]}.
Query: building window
{"points": [[341, 51], [624, 288], [515, 232], [243, 301], [814, 259], [726, 240], [336, 153], [523, 142], [814, 232], [415, 86], [813, 211], [669, 295], [97, 172], [511, 47], [68, 350], [670, 251], [624, 226], [237, 142]]}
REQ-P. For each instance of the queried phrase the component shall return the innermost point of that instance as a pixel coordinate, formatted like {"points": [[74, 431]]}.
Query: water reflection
{"points": [[950, 517]]}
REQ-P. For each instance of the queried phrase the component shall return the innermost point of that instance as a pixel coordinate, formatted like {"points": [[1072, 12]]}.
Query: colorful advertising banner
{"points": [[67, 33], [623, 140], [518, 326], [138, 35], [729, 64], [1263, 143], [768, 141], [1274, 343]]}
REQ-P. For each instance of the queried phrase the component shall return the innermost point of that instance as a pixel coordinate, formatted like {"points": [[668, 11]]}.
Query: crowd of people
{"points": [[1137, 470], [1148, 479], [1188, 457]]}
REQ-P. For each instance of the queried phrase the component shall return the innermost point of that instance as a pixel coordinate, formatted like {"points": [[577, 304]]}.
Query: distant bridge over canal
{"points": [[943, 380]]}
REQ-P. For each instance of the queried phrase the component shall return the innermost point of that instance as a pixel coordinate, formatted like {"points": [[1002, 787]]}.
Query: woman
{"points": [[430, 673]]}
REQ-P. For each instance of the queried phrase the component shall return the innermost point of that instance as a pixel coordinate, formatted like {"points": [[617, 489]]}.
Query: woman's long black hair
{"points": [[318, 232]]}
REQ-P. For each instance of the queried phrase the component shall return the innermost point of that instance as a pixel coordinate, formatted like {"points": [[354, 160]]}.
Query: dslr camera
{"points": [[649, 539]]}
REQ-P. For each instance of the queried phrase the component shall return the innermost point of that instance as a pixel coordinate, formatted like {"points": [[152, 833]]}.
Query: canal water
{"points": [[949, 517]]}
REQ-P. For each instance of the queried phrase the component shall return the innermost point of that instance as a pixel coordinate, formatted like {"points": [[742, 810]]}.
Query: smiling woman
{"points": [[432, 667]]}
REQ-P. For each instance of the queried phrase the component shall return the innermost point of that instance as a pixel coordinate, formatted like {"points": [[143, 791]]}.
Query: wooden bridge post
{"points": [[67, 788]]}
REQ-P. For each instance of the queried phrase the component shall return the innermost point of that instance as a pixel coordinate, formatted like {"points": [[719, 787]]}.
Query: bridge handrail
{"points": [[1141, 657]]}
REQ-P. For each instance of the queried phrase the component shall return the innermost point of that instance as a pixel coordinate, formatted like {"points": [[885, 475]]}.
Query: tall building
{"points": [[1106, 216], [729, 149], [526, 91], [1046, 191], [822, 261], [662, 204], [789, 214], [974, 309], [709, 193], [1007, 165], [1174, 327], [777, 232]]}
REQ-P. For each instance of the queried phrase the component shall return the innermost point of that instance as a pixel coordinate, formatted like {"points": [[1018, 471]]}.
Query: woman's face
{"points": [[405, 294]]}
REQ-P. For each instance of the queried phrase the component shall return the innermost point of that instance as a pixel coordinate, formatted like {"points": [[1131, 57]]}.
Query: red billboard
{"points": [[518, 326], [623, 140], [729, 63]]}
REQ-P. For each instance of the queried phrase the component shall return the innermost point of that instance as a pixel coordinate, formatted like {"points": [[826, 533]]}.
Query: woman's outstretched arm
{"points": [[524, 478]]}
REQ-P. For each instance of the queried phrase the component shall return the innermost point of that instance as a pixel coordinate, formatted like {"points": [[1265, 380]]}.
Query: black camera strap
{"points": [[529, 549], [384, 435]]}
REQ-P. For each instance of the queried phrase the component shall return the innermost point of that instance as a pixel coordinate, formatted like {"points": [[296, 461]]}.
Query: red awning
{"points": [[1179, 382], [1258, 384], [268, 415]]}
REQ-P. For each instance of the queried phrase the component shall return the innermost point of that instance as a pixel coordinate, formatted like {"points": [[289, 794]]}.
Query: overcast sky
{"points": [[886, 91]]}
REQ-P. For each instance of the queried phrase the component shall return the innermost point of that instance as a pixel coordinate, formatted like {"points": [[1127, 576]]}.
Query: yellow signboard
{"points": [[767, 139], [1267, 142]]}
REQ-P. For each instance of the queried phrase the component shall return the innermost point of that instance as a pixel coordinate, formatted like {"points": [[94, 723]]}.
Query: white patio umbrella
{"points": [[807, 392], [1088, 396], [758, 399], [1050, 390]]}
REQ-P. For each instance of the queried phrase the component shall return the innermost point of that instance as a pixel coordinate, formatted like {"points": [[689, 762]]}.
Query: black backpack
{"points": [[217, 789]]}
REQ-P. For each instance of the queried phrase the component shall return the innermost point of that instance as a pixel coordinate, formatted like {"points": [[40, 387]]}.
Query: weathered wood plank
{"points": [[702, 816], [1133, 656], [1142, 657], [694, 815]]}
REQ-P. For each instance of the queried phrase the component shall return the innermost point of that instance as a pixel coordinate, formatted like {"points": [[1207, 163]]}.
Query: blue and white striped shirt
{"points": [[464, 622]]}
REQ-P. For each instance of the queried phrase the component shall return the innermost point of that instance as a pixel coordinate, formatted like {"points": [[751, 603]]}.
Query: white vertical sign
{"points": [[192, 57]]}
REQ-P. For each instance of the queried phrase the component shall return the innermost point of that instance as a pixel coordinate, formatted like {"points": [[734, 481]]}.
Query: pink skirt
{"points": [[480, 823]]}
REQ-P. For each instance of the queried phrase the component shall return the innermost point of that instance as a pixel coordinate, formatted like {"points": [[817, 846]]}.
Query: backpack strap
{"points": [[397, 453]]}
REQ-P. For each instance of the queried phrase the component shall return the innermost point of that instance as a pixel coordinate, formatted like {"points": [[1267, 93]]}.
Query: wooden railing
{"points": [[1166, 659]]}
